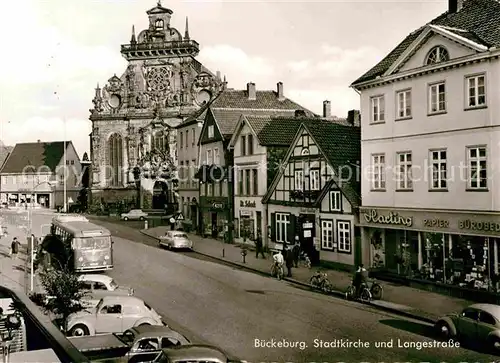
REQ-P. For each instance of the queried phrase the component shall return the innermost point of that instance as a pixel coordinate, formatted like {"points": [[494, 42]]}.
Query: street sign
{"points": [[180, 217]]}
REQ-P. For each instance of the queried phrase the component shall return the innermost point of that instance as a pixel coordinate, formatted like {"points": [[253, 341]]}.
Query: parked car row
{"points": [[119, 324]]}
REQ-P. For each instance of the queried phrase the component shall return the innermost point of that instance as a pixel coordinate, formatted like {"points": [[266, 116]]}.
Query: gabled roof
{"points": [[477, 21], [36, 154], [341, 146], [231, 104], [264, 100]]}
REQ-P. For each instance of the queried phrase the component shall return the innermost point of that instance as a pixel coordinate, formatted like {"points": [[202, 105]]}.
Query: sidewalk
{"points": [[14, 273], [423, 305]]}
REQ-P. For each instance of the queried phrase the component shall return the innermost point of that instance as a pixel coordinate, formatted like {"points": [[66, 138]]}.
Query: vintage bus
{"points": [[91, 245]]}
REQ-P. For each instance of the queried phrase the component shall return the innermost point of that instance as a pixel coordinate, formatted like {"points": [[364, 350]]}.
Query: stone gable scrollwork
{"points": [[204, 82], [113, 94]]}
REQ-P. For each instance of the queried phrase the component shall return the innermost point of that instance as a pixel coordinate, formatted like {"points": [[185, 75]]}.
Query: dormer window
{"points": [[159, 25], [437, 55]]}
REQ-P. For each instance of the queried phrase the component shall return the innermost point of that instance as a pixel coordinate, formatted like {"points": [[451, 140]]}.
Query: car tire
{"points": [[125, 218], [443, 330], [79, 330], [141, 218], [494, 344]]}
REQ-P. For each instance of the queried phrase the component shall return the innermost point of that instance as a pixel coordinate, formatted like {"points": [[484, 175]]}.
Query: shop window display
{"points": [[464, 261], [401, 251]]}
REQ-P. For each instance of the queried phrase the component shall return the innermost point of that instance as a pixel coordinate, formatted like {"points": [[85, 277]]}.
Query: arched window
{"points": [[158, 141], [115, 160], [159, 24], [305, 151], [436, 55]]}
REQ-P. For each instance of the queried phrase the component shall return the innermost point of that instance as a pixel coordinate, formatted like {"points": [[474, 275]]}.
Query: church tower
{"points": [[133, 149]]}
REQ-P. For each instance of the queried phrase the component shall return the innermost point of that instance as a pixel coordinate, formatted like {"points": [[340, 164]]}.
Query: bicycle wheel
{"points": [[377, 291], [366, 295], [327, 287], [349, 294], [313, 281]]}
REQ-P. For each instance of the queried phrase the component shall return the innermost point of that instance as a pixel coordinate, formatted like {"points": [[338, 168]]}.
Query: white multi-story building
{"points": [[430, 150]]}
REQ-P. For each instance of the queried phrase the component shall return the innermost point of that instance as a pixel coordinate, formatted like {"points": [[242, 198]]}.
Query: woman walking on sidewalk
{"points": [[14, 248]]}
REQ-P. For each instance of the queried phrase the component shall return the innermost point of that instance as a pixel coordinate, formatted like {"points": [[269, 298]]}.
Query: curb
{"points": [[335, 293]]}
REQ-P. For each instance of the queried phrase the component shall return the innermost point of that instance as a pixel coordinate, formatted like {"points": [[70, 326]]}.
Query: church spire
{"points": [[132, 39], [186, 32]]}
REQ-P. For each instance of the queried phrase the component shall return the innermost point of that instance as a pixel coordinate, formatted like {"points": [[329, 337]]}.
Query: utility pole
{"points": [[64, 181]]}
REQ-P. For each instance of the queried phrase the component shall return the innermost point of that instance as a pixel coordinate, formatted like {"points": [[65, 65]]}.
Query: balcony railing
{"points": [[41, 333], [161, 45]]}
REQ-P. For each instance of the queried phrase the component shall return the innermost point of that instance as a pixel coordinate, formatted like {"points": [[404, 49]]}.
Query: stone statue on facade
{"points": [[130, 78]]}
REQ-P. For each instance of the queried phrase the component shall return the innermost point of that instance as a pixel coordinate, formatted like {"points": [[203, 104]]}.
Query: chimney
{"points": [[454, 6], [218, 75], [327, 109], [279, 91], [38, 141], [354, 118], [252, 94]]}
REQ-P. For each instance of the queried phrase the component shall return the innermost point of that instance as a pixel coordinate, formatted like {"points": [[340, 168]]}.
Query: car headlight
{"points": [[106, 257], [80, 259]]}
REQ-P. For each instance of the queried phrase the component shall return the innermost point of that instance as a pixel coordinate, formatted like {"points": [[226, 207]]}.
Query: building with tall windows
{"points": [[216, 165], [430, 148], [133, 139]]}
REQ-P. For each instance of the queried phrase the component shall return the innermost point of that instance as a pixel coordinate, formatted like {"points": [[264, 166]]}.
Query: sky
{"points": [[56, 51]]}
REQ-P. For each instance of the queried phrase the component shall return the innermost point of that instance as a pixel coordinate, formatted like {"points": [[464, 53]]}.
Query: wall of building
{"points": [[454, 130], [187, 154], [420, 123]]}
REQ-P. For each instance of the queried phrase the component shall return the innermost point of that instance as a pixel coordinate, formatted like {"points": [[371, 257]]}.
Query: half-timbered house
{"points": [[315, 196]]}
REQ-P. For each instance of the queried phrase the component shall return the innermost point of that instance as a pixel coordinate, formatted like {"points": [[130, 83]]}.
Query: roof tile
{"points": [[36, 154], [480, 18]]}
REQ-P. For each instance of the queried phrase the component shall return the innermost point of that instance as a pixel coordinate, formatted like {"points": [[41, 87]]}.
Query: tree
{"points": [[65, 293]]}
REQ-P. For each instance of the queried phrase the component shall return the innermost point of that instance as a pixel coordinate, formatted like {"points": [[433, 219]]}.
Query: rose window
{"points": [[158, 79]]}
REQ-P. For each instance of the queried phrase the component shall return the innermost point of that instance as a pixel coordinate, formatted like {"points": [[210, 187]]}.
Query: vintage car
{"points": [[195, 353], [175, 240], [99, 286], [113, 314], [478, 323], [139, 344], [134, 214]]}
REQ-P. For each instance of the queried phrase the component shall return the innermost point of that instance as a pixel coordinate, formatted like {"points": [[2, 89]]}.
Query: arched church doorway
{"points": [[160, 195]]}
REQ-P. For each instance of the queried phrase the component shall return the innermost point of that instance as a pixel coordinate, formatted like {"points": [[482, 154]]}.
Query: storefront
{"points": [[214, 216], [248, 219], [452, 247]]}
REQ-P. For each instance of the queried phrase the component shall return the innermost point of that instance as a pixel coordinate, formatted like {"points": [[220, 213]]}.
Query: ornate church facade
{"points": [[133, 139]]}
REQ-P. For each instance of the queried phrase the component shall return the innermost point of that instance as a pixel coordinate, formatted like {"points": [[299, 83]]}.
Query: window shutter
{"points": [[273, 227], [290, 236]]}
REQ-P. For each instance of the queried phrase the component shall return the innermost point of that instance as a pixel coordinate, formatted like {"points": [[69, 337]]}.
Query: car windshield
{"points": [[89, 243], [113, 285], [180, 235]]}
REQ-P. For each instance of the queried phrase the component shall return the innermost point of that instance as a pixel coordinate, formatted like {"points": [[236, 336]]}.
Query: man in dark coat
{"points": [[259, 249], [289, 261]]}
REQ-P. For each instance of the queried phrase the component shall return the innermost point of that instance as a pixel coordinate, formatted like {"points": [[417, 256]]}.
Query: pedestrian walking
{"points": [[296, 254], [259, 249], [14, 248], [289, 261]]}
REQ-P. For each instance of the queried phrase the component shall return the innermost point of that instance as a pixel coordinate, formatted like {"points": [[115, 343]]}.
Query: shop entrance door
{"points": [[214, 225], [307, 232]]}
